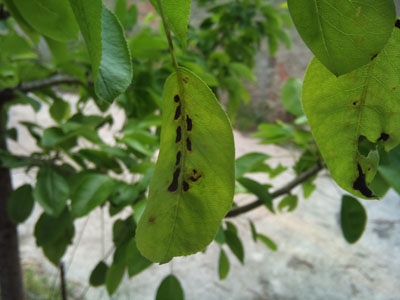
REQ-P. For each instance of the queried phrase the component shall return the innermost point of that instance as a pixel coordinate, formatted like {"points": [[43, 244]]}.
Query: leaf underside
{"points": [[193, 183], [343, 35], [364, 104]]}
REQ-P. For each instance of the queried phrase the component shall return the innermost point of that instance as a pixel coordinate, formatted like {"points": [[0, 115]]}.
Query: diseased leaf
{"points": [[90, 191], [223, 265], [353, 219], [52, 18], [51, 190], [343, 111], [107, 47], [267, 241], [170, 288], [344, 35], [98, 275], [193, 183], [20, 203]]}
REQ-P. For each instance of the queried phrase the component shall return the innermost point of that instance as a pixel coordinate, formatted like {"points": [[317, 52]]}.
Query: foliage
{"points": [[122, 64]]}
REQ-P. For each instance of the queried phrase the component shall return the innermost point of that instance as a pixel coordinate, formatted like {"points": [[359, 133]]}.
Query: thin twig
{"points": [[63, 282], [282, 191]]}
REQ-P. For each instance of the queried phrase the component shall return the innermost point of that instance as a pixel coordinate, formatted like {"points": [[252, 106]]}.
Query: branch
{"points": [[282, 191], [25, 87]]}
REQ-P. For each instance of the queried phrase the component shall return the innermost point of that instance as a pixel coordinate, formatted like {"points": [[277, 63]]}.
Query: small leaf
{"points": [[135, 261], [98, 275], [253, 231], [51, 190], [59, 110], [261, 191], [90, 191], [223, 265], [291, 96], [107, 47], [344, 35], [353, 219], [52, 18], [20, 203], [169, 289], [235, 245], [267, 241], [290, 201], [193, 183], [55, 251], [359, 105], [248, 162], [220, 237], [114, 277]]}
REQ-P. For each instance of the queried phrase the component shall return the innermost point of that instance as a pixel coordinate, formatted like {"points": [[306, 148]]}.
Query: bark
{"points": [[11, 284]]}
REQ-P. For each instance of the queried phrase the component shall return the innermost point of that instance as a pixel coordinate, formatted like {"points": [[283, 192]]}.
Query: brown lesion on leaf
{"points": [[355, 103], [374, 56], [178, 134], [185, 79], [188, 144], [189, 123], [178, 158], [361, 185], [177, 112], [152, 220], [384, 137], [397, 24], [185, 186], [174, 184], [177, 98]]}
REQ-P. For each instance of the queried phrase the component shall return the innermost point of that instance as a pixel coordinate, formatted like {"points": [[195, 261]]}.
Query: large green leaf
{"points": [[344, 35], [353, 219], [343, 111], [52, 18], [20, 203], [89, 191], [51, 190], [107, 47], [169, 289], [193, 183]]}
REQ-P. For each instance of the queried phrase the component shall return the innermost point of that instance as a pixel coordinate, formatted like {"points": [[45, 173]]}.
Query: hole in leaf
{"points": [[178, 134], [365, 146], [361, 185], [384, 137], [174, 184]]}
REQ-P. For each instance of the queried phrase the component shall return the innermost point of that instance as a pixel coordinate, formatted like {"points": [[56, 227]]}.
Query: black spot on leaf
{"points": [[178, 158], [152, 219], [188, 144], [384, 137], [177, 112], [361, 185], [194, 171], [194, 178], [177, 98], [397, 24], [185, 186], [373, 57], [174, 184], [178, 134], [189, 123], [355, 103]]}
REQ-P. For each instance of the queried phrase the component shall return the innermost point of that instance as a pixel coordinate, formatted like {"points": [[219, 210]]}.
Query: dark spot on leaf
{"points": [[194, 179], [189, 123], [397, 24], [384, 137], [360, 184], [355, 103], [178, 158], [177, 112], [177, 98], [194, 171], [373, 57], [178, 134], [394, 88], [185, 79], [174, 184], [185, 186], [188, 144], [152, 219]]}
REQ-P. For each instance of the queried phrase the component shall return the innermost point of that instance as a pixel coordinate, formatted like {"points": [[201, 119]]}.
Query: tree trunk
{"points": [[11, 284]]}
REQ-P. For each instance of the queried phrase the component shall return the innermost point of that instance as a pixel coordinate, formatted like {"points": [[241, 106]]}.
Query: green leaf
{"points": [[107, 47], [344, 35], [49, 229], [52, 18], [290, 201], [51, 190], [390, 169], [267, 241], [135, 261], [235, 245], [223, 265], [90, 191], [253, 231], [353, 219], [114, 277], [258, 189], [98, 275], [291, 96], [177, 13], [248, 162], [363, 104], [193, 183], [169, 289], [308, 187], [20, 203], [59, 110], [220, 236]]}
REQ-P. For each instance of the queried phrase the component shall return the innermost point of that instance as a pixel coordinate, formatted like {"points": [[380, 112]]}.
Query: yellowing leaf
{"points": [[193, 183]]}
